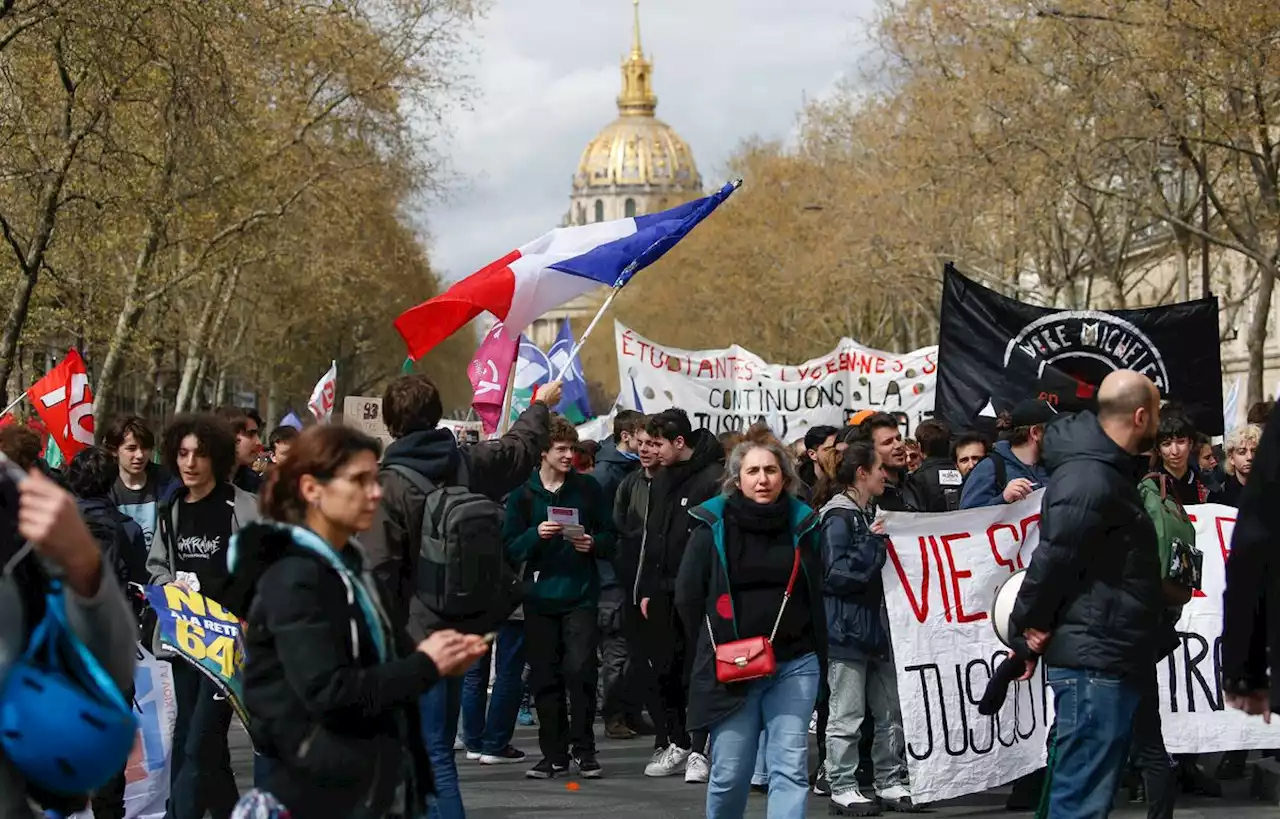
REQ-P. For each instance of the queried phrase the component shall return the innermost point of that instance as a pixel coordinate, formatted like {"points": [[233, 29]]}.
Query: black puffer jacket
{"points": [[675, 490], [1094, 580], [493, 468], [342, 721]]}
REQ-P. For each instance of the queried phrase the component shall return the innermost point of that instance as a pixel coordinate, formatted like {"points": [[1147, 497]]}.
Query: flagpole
{"points": [[504, 422], [15, 403], [617, 285]]}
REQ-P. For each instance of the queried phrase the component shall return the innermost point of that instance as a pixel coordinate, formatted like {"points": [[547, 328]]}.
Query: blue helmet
{"points": [[63, 722]]}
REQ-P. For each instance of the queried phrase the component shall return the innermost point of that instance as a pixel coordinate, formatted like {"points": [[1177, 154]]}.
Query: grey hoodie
{"points": [[103, 622]]}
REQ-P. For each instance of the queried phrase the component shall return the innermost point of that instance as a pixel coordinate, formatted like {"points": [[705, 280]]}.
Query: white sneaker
{"points": [[813, 723], [668, 763], [458, 744], [851, 802], [896, 798], [474, 756], [697, 770]]}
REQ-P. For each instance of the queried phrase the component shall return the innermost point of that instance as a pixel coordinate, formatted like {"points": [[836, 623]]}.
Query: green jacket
{"points": [[557, 577]]}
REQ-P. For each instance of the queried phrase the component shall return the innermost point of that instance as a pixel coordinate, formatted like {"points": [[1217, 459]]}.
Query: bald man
{"points": [[1091, 604]]}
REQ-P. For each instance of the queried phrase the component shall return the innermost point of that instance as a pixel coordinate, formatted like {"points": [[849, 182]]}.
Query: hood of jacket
{"points": [[706, 451], [712, 513], [609, 454], [1080, 438], [99, 508], [839, 501], [432, 453]]}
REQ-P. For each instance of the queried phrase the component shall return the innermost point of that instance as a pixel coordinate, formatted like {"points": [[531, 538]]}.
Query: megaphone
{"points": [[1002, 606]]}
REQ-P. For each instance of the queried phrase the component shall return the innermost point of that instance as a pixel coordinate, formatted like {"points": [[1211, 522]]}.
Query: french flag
{"points": [[552, 270]]}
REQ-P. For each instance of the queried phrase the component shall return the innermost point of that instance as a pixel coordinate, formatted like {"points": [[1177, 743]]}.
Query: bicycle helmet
{"points": [[63, 722]]}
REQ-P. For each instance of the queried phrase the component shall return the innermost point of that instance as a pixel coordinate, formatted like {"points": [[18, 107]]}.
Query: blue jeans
{"points": [[780, 705], [200, 774], [1094, 715], [440, 708], [488, 730]]}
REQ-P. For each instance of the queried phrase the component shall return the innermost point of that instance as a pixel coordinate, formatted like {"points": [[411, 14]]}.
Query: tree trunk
{"points": [[1184, 266], [1256, 342], [206, 333], [220, 389], [152, 383]]}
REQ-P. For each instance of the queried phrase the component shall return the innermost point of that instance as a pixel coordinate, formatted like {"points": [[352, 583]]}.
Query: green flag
{"points": [[407, 367]]}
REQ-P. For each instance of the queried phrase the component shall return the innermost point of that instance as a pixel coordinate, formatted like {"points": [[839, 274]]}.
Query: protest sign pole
{"points": [[504, 422], [15, 402]]}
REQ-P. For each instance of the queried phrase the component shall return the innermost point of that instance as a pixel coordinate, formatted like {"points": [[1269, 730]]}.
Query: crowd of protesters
{"points": [[629, 569]]}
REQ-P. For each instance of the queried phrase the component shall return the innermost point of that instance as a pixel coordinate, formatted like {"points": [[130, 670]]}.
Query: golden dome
{"points": [[637, 149]]}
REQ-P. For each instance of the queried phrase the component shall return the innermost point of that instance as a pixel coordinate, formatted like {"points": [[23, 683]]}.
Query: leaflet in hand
{"points": [[568, 518]]}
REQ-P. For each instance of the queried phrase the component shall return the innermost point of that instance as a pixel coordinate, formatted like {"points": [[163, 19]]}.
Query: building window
{"points": [[599, 210], [630, 208]]}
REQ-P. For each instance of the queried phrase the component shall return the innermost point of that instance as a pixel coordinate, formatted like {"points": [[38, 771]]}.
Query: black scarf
{"points": [[759, 518]]}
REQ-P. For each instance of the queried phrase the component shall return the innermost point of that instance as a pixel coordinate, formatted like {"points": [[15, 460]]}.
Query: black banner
{"points": [[994, 352]]}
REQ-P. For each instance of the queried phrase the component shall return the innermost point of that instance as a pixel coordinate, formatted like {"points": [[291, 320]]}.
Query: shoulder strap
{"points": [[1161, 481], [420, 481], [1002, 471]]}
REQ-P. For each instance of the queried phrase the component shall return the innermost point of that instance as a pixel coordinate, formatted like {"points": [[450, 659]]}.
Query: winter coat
{"points": [[935, 486], [331, 688], [1231, 492], [558, 578], [124, 549], [704, 579], [612, 467], [1094, 581], [492, 468], [898, 495], [675, 490], [982, 488], [1251, 605], [853, 593], [630, 513]]}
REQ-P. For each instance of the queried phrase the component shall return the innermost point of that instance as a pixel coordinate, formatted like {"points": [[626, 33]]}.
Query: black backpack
{"points": [[462, 564]]}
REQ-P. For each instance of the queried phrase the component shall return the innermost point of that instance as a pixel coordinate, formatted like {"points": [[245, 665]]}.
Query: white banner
{"points": [[940, 579], [732, 388], [147, 774]]}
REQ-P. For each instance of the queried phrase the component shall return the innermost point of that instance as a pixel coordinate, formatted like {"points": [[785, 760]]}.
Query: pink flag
{"points": [[490, 373]]}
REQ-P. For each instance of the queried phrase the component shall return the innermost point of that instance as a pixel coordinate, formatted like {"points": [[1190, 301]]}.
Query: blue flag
{"points": [[574, 405]]}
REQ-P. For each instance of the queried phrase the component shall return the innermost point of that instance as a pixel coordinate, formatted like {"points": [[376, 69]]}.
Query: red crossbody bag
{"points": [[751, 658]]}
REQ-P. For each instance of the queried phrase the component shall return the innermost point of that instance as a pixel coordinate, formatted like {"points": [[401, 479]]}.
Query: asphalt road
{"points": [[502, 792]]}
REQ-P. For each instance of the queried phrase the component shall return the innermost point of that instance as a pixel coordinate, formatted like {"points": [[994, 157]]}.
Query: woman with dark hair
{"points": [[861, 673], [330, 686], [751, 574]]}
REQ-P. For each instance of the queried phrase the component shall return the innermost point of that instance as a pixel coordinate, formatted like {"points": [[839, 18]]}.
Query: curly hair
{"points": [[1239, 438], [215, 441]]}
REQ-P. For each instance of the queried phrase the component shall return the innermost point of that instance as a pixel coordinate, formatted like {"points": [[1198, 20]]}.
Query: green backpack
{"points": [[1181, 563]]}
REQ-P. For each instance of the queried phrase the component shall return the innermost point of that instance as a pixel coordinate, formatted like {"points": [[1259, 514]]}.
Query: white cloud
{"points": [[547, 76]]}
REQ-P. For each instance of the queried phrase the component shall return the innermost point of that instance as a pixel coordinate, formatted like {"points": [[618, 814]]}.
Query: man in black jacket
{"points": [[1091, 603], [412, 410], [692, 470], [882, 430], [935, 485], [1251, 605]]}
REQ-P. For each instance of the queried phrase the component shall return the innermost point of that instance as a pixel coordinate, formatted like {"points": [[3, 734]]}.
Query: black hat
{"points": [[814, 437], [1032, 413]]}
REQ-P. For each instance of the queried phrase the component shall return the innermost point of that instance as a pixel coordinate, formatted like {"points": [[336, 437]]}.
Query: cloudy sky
{"points": [[547, 74]]}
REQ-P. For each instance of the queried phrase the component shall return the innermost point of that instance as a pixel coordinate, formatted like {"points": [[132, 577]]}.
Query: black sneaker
{"points": [[506, 756], [587, 766], [546, 769]]}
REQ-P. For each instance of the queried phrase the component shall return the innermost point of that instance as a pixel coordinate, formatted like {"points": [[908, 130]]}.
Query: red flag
{"points": [[64, 402]]}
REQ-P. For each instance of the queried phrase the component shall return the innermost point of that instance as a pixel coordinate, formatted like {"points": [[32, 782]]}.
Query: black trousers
{"points": [[561, 649], [201, 779], [108, 801], [1147, 753], [639, 683], [669, 646]]}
